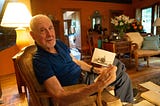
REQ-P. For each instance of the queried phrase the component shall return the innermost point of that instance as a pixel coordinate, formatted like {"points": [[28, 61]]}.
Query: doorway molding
{"points": [[78, 26]]}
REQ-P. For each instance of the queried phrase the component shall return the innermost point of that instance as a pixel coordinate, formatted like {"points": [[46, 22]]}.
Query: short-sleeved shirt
{"points": [[60, 64]]}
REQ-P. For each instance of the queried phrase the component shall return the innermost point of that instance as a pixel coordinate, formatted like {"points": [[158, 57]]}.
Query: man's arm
{"points": [[66, 97], [86, 67], [82, 64]]}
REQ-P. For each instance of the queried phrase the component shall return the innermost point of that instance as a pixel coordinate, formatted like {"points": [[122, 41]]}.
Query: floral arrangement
{"points": [[135, 26], [121, 23]]}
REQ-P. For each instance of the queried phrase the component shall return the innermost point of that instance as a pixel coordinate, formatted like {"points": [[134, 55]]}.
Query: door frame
{"points": [[71, 9]]}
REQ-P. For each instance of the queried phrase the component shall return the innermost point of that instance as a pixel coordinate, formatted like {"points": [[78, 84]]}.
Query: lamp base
{"points": [[23, 38]]}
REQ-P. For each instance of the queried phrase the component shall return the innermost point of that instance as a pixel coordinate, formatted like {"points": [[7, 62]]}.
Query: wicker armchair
{"points": [[36, 93]]}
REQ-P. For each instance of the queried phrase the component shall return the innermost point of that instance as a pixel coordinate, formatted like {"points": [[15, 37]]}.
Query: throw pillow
{"points": [[153, 38], [150, 45]]}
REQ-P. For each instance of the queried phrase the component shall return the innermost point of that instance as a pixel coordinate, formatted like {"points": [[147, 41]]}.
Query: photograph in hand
{"points": [[103, 57]]}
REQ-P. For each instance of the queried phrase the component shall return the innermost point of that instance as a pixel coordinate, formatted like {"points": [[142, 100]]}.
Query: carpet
{"points": [[151, 73]]}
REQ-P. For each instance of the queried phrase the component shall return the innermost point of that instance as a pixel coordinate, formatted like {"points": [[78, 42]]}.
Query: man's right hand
{"points": [[106, 77]]}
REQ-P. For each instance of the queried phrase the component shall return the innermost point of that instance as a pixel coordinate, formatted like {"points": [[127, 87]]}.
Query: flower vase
{"points": [[121, 34]]}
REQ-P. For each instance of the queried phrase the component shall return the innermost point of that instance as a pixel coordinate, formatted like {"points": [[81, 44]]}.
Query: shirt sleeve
{"points": [[43, 70]]}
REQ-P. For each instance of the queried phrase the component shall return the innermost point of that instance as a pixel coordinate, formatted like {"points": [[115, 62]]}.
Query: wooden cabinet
{"points": [[119, 47]]}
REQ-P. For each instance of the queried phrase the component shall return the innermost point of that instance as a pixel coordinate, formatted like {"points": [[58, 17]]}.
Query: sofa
{"points": [[143, 46]]}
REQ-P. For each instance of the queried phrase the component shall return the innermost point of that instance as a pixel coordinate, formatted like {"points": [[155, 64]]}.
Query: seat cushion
{"points": [[143, 53], [135, 37]]}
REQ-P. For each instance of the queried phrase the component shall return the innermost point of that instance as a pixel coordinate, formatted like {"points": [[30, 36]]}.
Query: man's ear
{"points": [[32, 34]]}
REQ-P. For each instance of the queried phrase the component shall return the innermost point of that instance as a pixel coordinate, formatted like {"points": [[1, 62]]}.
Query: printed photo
{"points": [[103, 57]]}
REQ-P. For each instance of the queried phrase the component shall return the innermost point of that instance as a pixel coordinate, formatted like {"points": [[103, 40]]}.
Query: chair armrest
{"points": [[134, 46], [105, 96], [147, 34]]}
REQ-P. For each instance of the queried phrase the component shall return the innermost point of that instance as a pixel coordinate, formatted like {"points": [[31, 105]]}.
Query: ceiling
{"points": [[113, 1]]}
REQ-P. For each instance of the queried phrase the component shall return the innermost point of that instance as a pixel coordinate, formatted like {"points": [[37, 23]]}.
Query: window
{"points": [[147, 19]]}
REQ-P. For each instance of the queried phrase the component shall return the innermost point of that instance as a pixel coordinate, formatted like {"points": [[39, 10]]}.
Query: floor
{"points": [[145, 73], [11, 96]]}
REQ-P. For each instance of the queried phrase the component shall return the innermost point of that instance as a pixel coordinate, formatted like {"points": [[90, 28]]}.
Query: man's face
{"points": [[44, 33]]}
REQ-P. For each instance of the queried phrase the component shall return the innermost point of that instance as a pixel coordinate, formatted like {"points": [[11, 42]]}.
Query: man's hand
{"points": [[107, 76], [99, 70]]}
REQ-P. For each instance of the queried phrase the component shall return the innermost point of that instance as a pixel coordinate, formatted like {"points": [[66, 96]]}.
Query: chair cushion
{"points": [[135, 37], [143, 53]]}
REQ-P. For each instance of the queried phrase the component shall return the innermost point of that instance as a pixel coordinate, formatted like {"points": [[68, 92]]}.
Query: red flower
{"points": [[135, 26]]}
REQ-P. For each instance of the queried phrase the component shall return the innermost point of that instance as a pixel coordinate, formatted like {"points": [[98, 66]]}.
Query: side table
{"points": [[118, 47], [20, 82]]}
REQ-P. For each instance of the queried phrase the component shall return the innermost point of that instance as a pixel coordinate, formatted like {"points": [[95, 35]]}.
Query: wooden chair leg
{"points": [[99, 101], [147, 61], [136, 63]]}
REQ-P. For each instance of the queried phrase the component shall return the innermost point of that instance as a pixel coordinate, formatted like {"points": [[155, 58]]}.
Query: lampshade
{"points": [[157, 22], [17, 15]]}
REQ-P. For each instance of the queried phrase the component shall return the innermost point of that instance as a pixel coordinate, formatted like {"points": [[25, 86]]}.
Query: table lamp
{"points": [[17, 15], [157, 24]]}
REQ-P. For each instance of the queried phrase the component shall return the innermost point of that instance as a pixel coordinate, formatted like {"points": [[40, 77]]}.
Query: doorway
{"points": [[72, 27]]}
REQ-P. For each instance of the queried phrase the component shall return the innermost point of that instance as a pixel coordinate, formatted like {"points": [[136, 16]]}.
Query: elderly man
{"points": [[55, 67]]}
